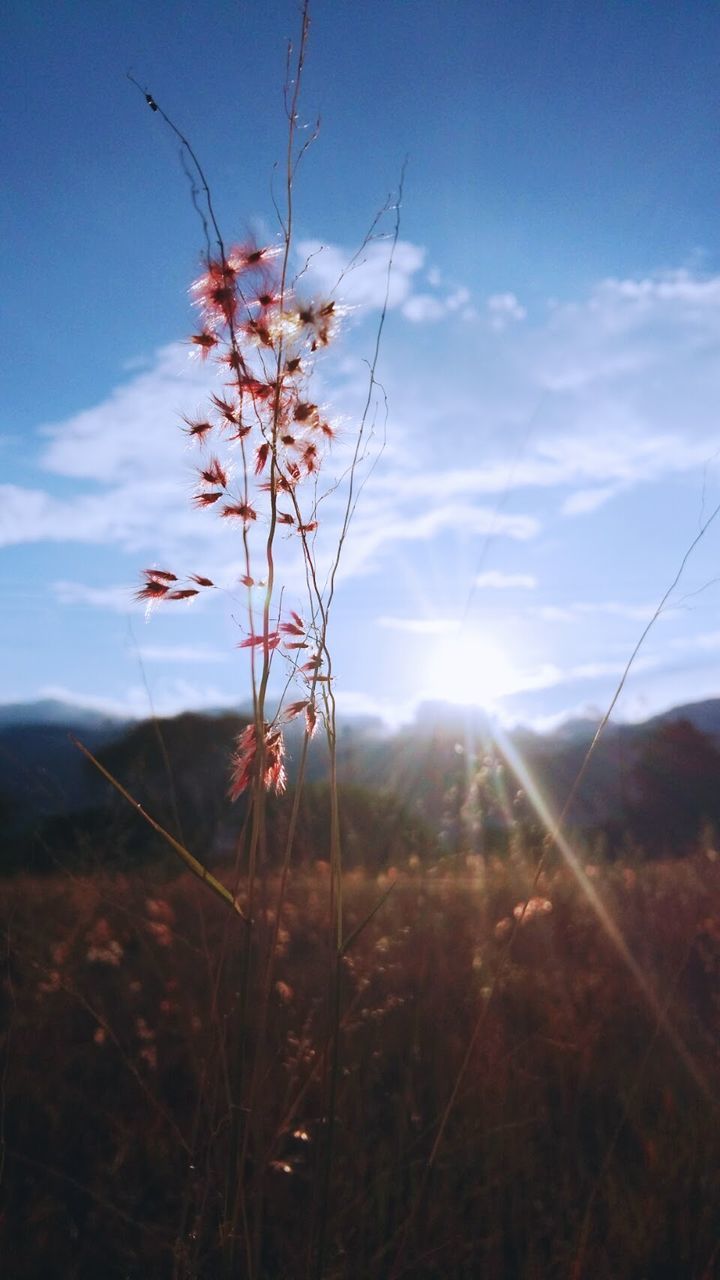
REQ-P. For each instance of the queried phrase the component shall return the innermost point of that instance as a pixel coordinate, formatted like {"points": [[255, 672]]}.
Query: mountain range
{"points": [[43, 776]]}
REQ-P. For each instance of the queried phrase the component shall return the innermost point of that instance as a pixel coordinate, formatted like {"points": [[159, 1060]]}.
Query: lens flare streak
{"points": [[555, 836]]}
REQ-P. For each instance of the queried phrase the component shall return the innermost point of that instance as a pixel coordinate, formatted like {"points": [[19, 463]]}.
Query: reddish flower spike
{"points": [[229, 411], [239, 510], [294, 709], [292, 629], [185, 594], [160, 573], [256, 329], [247, 257], [259, 390], [197, 430], [202, 582], [216, 291], [242, 762], [261, 458], [214, 474], [206, 498], [233, 359], [153, 590], [274, 774], [205, 341], [245, 757], [254, 642]]}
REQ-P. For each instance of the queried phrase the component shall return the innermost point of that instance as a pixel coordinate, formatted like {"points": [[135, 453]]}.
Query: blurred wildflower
{"points": [[245, 756], [103, 949], [525, 912]]}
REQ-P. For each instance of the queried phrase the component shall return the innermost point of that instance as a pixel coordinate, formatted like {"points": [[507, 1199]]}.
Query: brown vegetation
{"points": [[584, 1137]]}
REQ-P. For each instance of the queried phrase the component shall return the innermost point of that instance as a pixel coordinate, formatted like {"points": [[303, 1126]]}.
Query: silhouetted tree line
{"points": [[414, 794]]}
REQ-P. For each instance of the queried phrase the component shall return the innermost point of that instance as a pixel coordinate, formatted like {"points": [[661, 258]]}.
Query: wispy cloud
{"points": [[585, 501], [423, 307], [706, 641], [503, 309], [168, 698], [361, 280], [419, 626], [134, 432], [119, 599], [550, 675], [576, 611], [195, 653], [382, 526], [498, 581], [613, 391]]}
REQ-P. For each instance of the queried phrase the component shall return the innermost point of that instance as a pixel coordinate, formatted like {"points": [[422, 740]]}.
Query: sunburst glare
{"points": [[469, 667]]}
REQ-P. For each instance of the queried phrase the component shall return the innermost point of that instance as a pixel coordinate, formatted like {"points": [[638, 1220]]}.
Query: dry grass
{"points": [[576, 1119]]}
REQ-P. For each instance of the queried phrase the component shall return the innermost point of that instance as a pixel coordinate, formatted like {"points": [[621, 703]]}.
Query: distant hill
{"points": [[425, 765], [52, 711], [705, 716]]}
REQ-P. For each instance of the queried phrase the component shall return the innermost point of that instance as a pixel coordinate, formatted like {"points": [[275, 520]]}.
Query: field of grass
{"points": [[583, 1139]]}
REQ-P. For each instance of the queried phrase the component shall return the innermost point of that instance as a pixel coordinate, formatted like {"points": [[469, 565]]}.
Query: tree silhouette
{"points": [[675, 787]]}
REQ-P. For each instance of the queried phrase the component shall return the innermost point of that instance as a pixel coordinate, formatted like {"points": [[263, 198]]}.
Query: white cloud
{"points": [[550, 675], [132, 516], [195, 653], [505, 581], [168, 698], [135, 431], [419, 626], [585, 501], [617, 390], [706, 641], [424, 306], [377, 528], [458, 299], [119, 598], [576, 610], [361, 281], [352, 702], [503, 309]]}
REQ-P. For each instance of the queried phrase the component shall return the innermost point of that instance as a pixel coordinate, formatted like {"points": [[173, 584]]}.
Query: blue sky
{"points": [[551, 357]]}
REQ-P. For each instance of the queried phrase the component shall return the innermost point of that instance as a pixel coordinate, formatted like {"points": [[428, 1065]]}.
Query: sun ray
{"points": [[555, 836]]}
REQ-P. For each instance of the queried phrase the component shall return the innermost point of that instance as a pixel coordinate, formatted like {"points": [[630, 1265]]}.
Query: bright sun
{"points": [[468, 668]]}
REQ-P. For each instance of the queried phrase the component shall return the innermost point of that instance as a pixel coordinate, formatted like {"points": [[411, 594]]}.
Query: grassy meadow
{"points": [[582, 1138]]}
